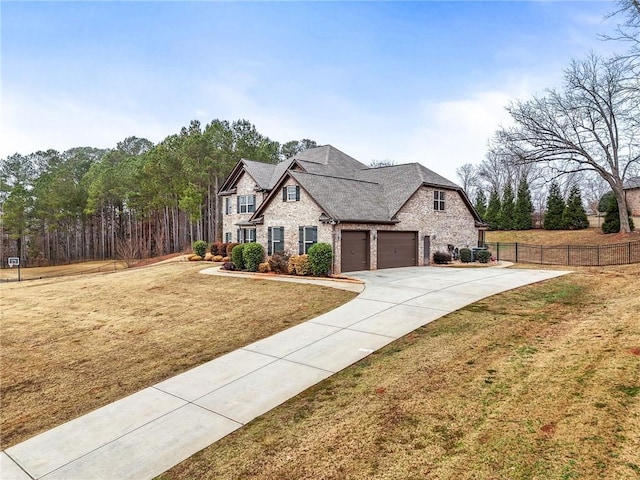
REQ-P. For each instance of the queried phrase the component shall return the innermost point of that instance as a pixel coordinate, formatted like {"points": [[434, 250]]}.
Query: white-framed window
{"points": [[246, 203], [227, 206], [275, 241], [438, 200], [307, 236], [246, 235], [291, 193], [227, 237]]}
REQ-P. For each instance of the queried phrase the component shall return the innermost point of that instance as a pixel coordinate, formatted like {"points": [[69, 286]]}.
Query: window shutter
{"points": [[314, 234], [297, 193], [300, 240], [238, 204], [269, 244], [238, 236], [253, 206], [282, 239], [284, 194]]}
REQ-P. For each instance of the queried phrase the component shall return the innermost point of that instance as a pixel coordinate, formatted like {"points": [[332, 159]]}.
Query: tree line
{"points": [[132, 201], [584, 135]]}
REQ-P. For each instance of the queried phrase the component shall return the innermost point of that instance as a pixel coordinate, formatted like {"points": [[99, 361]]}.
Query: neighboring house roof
{"points": [[344, 188], [633, 182]]}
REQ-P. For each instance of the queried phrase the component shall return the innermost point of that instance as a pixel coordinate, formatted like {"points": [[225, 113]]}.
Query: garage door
{"points": [[397, 249], [354, 251]]}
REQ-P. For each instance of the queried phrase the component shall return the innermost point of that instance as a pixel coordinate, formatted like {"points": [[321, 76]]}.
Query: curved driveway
{"points": [[148, 432]]}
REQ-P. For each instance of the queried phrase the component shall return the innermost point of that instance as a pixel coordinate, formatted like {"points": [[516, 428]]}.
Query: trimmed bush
{"points": [[279, 262], [237, 256], [252, 256], [264, 267], [218, 248], [320, 258], [229, 266], [218, 258], [441, 258], [200, 248], [229, 249], [483, 256], [299, 265], [465, 255]]}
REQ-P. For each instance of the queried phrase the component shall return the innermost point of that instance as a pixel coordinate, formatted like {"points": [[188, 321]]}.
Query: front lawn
{"points": [[71, 345], [541, 382]]}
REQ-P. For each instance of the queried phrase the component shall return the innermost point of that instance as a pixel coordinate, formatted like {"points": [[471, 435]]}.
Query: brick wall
{"points": [[454, 225], [633, 201], [246, 185], [291, 215]]}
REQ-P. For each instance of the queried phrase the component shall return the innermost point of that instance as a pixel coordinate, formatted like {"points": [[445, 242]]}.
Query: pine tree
{"points": [[481, 203], [574, 216], [507, 208], [492, 215], [524, 207], [555, 209]]}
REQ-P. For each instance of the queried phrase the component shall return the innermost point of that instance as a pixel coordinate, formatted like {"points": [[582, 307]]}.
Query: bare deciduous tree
{"points": [[468, 175], [589, 126]]}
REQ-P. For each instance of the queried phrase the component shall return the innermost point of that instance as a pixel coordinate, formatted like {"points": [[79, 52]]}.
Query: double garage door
{"points": [[395, 249]]}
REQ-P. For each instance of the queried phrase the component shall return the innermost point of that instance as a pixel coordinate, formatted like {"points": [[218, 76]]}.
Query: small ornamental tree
{"points": [[481, 203], [237, 256], [555, 209], [320, 258], [492, 214], [575, 216], [507, 208], [200, 248], [252, 256], [524, 207]]}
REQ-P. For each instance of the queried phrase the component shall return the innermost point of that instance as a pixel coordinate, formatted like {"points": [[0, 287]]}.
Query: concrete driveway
{"points": [[148, 432]]}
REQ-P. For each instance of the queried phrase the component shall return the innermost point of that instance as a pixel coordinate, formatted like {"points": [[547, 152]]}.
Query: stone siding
{"points": [[633, 201], [292, 215], [245, 185], [454, 225]]}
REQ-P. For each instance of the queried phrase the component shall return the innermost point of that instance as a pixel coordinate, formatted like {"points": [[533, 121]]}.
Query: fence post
{"points": [[629, 251], [516, 252], [568, 254], [498, 251]]}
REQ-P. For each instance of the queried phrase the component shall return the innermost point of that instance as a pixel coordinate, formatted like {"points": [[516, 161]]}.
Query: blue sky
{"points": [[406, 81]]}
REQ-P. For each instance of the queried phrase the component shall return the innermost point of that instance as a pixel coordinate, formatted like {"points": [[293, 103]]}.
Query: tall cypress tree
{"points": [[481, 203], [524, 207], [492, 215], [574, 216], [507, 208], [555, 209]]}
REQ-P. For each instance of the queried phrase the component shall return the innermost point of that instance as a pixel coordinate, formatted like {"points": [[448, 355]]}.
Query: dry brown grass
{"points": [[541, 382], [70, 345], [589, 236]]}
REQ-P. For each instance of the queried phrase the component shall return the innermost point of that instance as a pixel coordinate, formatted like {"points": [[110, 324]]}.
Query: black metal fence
{"points": [[570, 255]]}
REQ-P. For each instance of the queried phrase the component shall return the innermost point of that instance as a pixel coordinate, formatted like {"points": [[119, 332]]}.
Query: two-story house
{"points": [[373, 217]]}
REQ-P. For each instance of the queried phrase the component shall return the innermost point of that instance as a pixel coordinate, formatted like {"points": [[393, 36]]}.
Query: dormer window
{"points": [[291, 193]]}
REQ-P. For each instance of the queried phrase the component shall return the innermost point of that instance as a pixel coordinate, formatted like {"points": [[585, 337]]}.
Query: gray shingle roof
{"points": [[344, 198], [346, 189], [633, 182], [266, 175]]}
